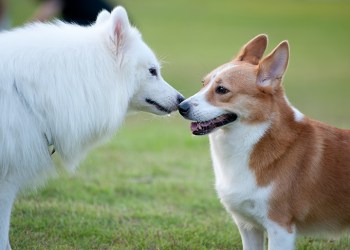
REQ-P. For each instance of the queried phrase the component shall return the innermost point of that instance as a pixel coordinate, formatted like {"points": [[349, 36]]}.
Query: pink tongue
{"points": [[194, 126]]}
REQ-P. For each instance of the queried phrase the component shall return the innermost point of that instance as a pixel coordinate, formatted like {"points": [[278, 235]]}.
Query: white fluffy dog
{"points": [[69, 87]]}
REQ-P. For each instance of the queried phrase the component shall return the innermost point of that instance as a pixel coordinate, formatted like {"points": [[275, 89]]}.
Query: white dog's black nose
{"points": [[184, 108], [180, 98]]}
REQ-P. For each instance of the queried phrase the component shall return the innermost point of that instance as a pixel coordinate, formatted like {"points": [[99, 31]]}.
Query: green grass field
{"points": [[152, 185]]}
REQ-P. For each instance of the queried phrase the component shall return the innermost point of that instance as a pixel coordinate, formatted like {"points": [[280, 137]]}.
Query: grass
{"points": [[151, 186]]}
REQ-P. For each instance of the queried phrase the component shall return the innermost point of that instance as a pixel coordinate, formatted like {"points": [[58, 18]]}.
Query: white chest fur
{"points": [[235, 182]]}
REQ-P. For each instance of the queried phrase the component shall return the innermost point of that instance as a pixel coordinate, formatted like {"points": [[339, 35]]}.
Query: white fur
{"points": [[235, 182], [279, 237], [102, 17], [69, 86], [298, 116]]}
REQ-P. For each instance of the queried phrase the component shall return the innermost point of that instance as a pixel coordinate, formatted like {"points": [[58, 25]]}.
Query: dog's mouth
{"points": [[203, 128], [158, 106]]}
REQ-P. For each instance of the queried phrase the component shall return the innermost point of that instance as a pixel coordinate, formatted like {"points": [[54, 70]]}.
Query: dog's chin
{"points": [[206, 127], [158, 109]]}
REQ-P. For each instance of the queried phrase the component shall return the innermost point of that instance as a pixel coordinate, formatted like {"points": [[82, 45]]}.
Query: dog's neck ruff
{"points": [[50, 146]]}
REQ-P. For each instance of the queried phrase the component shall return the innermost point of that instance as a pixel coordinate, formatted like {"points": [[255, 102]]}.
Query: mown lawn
{"points": [[151, 186]]}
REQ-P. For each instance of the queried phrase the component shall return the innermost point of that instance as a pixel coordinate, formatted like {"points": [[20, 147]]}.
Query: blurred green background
{"points": [[152, 186]]}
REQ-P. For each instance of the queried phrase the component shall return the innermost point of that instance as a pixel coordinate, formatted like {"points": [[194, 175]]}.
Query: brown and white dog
{"points": [[276, 170]]}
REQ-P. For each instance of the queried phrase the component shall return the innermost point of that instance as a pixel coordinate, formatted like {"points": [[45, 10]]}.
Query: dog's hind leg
{"points": [[8, 193]]}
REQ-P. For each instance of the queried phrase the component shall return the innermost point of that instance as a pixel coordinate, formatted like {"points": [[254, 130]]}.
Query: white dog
{"points": [[69, 87]]}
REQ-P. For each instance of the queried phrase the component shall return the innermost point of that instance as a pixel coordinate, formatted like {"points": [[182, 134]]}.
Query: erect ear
{"points": [[273, 66], [119, 26], [102, 16], [253, 51]]}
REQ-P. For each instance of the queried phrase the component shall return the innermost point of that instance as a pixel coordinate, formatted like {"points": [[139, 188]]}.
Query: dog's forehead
{"points": [[232, 71], [221, 70]]}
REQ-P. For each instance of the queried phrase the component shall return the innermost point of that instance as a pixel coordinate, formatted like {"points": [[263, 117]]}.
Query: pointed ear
{"points": [[102, 16], [119, 26], [272, 67], [253, 51]]}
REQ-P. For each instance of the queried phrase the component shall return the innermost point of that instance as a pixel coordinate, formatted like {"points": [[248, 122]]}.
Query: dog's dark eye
{"points": [[221, 90], [153, 71]]}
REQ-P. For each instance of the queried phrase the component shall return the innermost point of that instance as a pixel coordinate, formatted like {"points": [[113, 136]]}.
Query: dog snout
{"points": [[180, 99], [184, 108]]}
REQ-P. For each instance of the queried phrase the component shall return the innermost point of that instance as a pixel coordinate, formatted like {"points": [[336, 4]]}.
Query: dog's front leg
{"points": [[252, 238], [7, 196], [280, 237]]}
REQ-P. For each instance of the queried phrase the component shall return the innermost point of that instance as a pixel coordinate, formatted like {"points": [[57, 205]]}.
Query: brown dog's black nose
{"points": [[184, 108]]}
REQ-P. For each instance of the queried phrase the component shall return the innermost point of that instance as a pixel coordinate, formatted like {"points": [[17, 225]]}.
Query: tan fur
{"points": [[307, 161], [240, 80]]}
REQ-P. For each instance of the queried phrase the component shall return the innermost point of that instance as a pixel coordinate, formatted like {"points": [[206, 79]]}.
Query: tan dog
{"points": [[276, 170]]}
